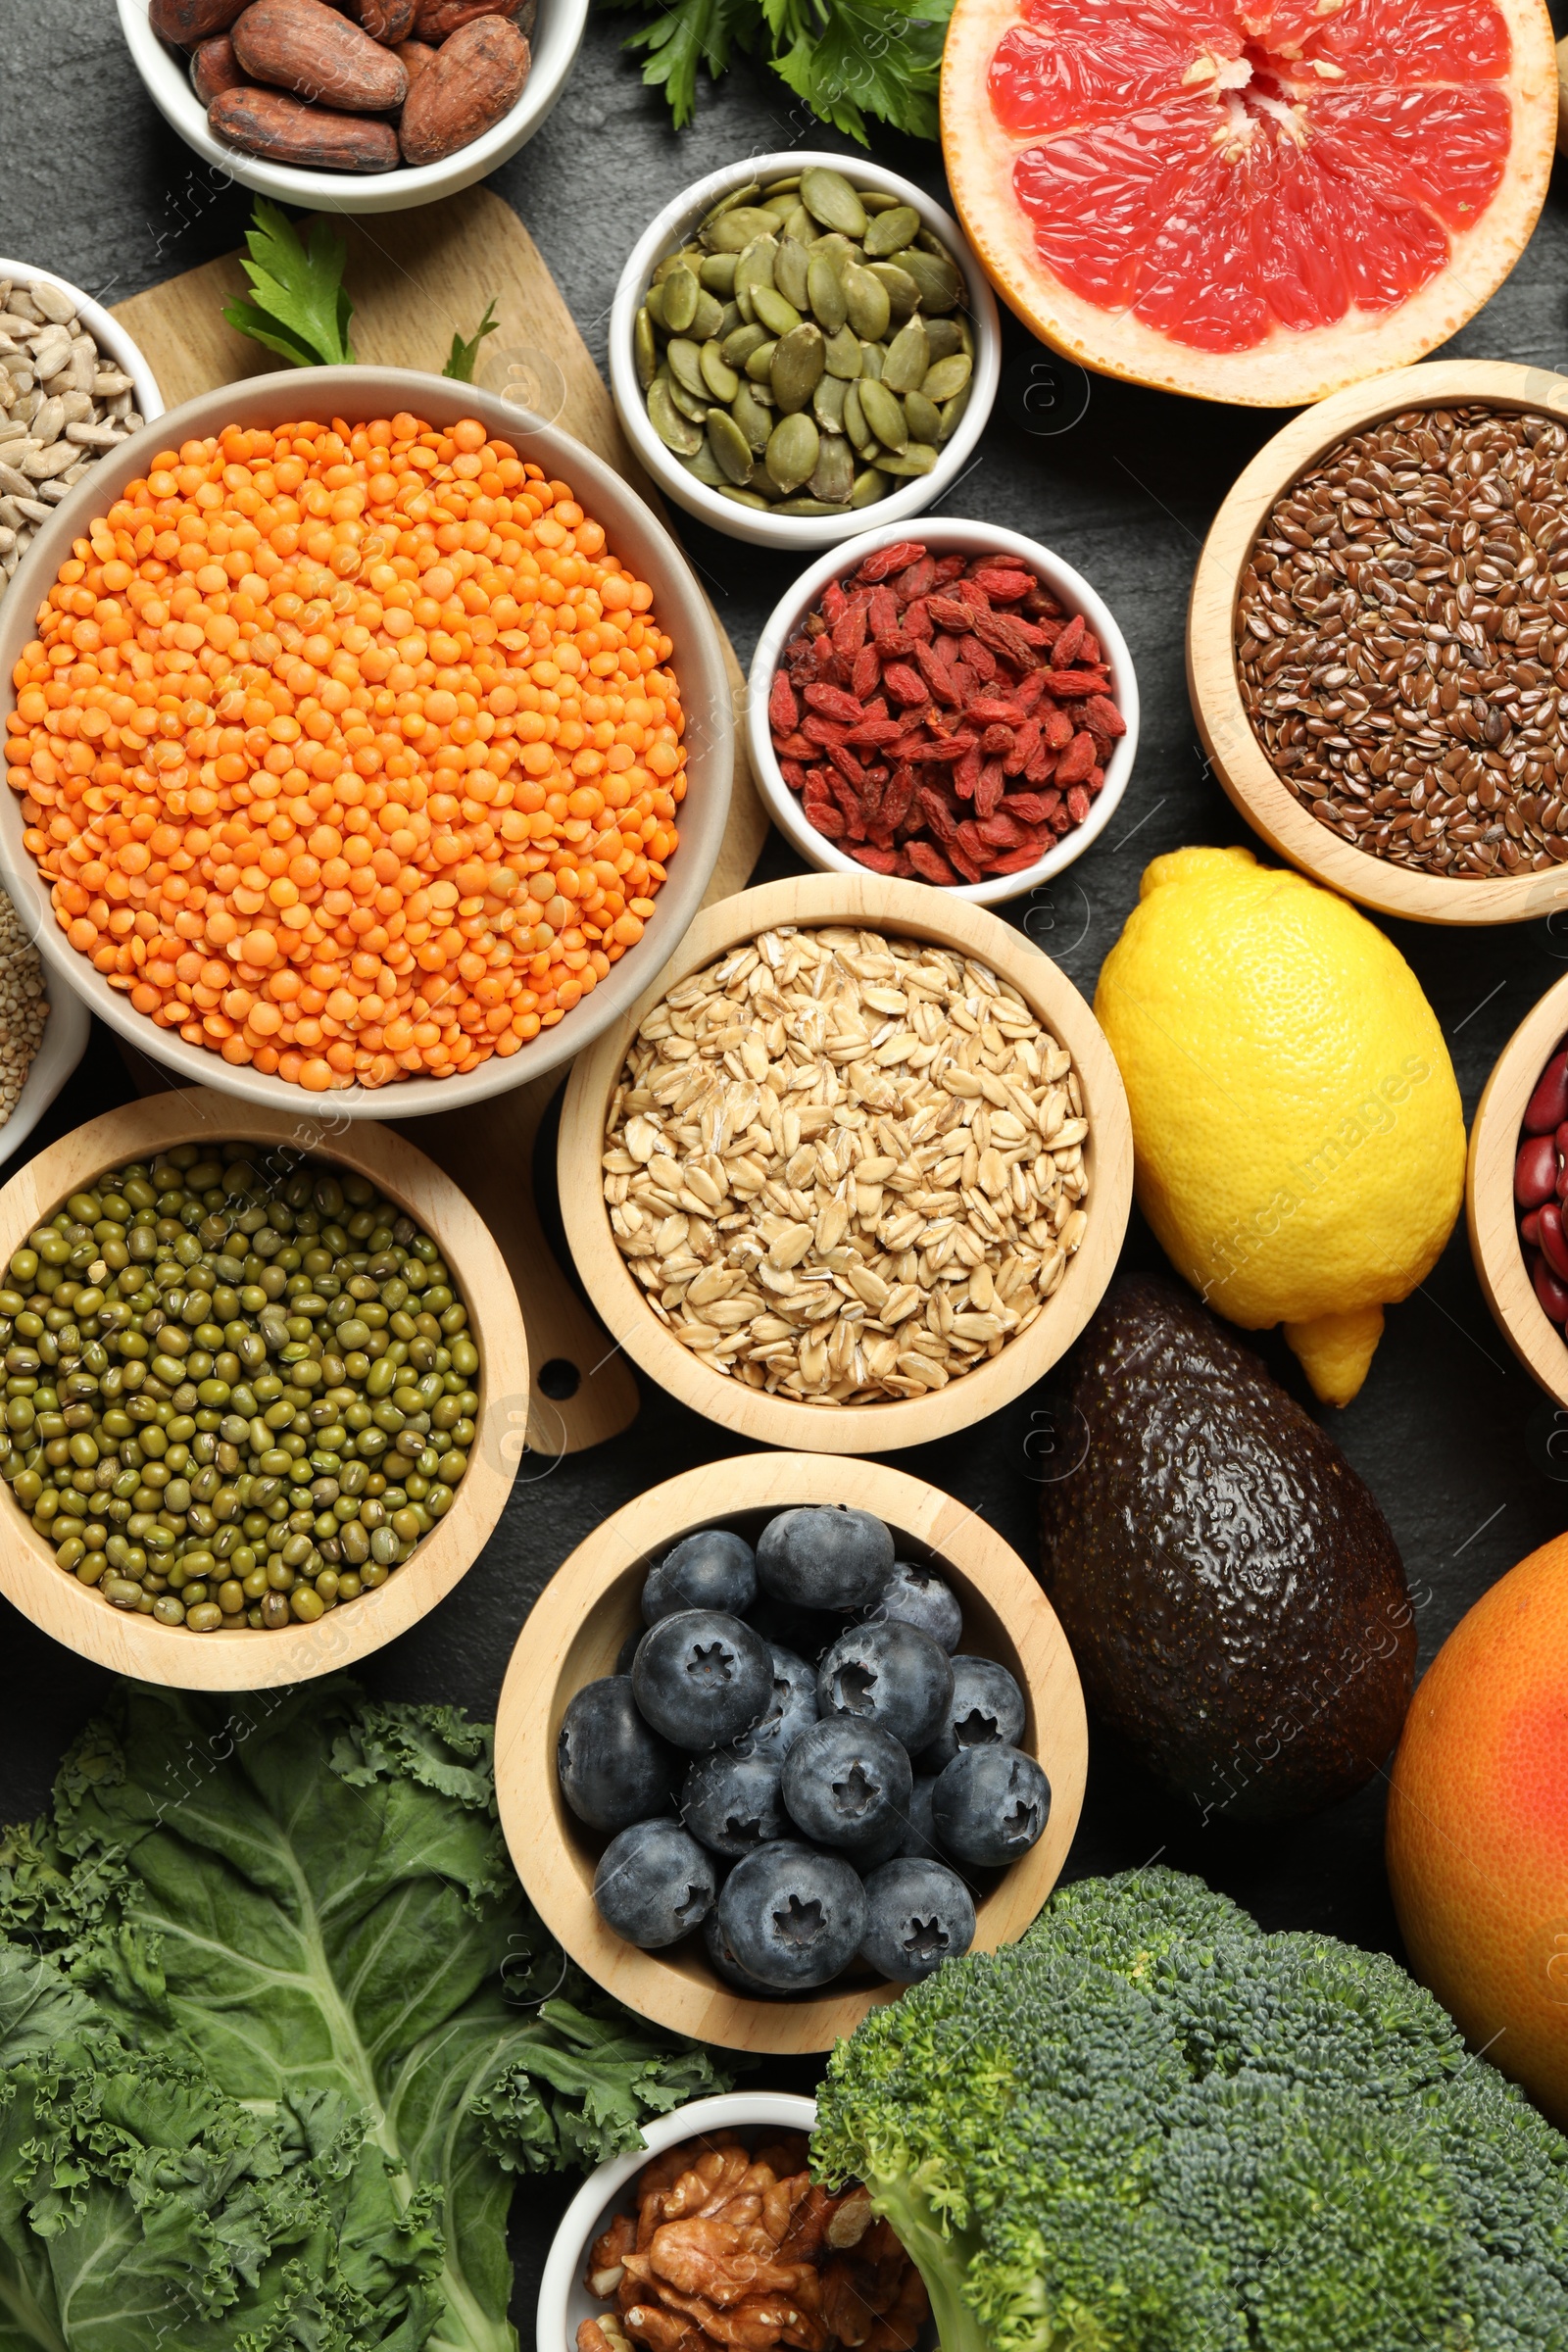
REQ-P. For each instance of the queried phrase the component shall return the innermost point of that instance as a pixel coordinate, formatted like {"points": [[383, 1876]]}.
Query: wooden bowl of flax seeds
{"points": [[1377, 643], [855, 1173]]}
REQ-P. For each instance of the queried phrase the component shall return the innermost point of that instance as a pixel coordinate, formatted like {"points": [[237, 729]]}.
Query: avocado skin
{"points": [[1232, 1592]]}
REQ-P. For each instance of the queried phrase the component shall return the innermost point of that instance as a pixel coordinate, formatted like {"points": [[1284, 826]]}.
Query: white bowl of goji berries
{"points": [[973, 726]]}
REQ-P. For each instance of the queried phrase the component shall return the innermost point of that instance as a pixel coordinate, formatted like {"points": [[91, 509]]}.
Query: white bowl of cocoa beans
{"points": [[946, 703], [366, 106]]}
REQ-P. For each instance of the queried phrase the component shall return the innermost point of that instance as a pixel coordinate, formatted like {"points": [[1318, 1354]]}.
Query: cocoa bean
{"points": [[388, 22], [436, 20], [416, 56], [477, 76], [215, 68], [187, 22], [269, 123], [302, 46]]}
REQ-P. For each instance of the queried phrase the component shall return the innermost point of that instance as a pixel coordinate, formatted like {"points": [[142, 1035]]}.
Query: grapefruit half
{"points": [[1248, 200]]}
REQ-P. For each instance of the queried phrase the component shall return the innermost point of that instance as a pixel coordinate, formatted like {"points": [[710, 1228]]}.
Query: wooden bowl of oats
{"points": [[856, 1173], [1372, 641]]}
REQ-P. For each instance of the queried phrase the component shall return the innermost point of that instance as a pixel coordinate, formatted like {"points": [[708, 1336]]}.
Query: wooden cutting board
{"points": [[418, 279]]}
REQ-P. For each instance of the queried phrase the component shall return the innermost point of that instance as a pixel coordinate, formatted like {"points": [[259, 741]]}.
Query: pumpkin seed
{"points": [[883, 414], [827, 403], [703, 467], [729, 318], [717, 273], [790, 271], [759, 362], [780, 206], [694, 405], [727, 204], [866, 300], [755, 266], [872, 356], [739, 345], [787, 186], [653, 304], [855, 426], [922, 416], [685, 362], [707, 320], [742, 498], [800, 225], [944, 338], [825, 293], [870, 484], [792, 452], [730, 447], [645, 349], [937, 280], [919, 457], [681, 290], [678, 432], [952, 410], [844, 353], [688, 258], [833, 475], [719, 377], [891, 232], [965, 335], [876, 200], [776, 314], [806, 505], [829, 198], [947, 377], [908, 358], [904, 295], [752, 418], [734, 230], [797, 370]]}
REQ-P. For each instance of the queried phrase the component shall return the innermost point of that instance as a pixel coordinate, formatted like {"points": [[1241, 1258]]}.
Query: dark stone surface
{"points": [[1448, 1430]]}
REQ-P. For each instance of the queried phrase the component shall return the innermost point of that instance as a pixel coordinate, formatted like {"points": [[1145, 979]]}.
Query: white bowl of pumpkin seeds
{"points": [[795, 282]]}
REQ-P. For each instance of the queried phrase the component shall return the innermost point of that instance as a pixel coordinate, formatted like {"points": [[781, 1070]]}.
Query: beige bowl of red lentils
{"points": [[383, 758]]}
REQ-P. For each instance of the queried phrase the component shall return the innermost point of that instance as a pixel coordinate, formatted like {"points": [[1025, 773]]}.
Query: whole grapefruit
{"points": [[1478, 1826]]}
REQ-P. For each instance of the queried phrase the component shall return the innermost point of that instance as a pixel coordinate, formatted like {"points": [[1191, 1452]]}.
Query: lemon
{"points": [[1299, 1145]]}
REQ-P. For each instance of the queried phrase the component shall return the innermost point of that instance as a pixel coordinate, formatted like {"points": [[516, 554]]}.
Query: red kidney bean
{"points": [[1529, 1229], [1552, 1294], [1534, 1171], [1554, 1243], [1548, 1107], [920, 691]]}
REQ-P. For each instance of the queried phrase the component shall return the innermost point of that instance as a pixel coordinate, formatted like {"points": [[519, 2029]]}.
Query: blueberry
{"points": [[626, 1655], [889, 1675], [613, 1769], [986, 1710], [732, 1802], [990, 1805], [702, 1678], [710, 1570], [918, 1915], [917, 1596], [791, 1708], [920, 1831], [848, 1782], [823, 1559], [725, 1965], [791, 1916], [806, 1633], [655, 1883]]}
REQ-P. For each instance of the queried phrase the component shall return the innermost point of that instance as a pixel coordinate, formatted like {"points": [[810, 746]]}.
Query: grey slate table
{"points": [[1123, 482]]}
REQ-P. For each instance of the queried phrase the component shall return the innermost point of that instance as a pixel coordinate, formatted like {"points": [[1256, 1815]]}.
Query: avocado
{"points": [[1232, 1593]]}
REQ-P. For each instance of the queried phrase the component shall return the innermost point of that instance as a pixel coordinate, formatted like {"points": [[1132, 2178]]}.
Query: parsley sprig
{"points": [[462, 355], [300, 307], [847, 59]]}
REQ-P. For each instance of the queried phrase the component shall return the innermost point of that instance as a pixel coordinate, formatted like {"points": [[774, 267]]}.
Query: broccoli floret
{"points": [[1151, 2128]]}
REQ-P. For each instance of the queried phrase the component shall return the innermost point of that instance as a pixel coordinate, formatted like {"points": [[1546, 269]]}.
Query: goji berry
{"points": [[1041, 605], [783, 710], [918, 625], [1089, 648], [917, 579], [927, 863], [848, 631], [966, 775], [898, 797], [889, 559], [1003, 586], [1067, 684], [876, 733], [951, 612], [992, 710], [865, 674], [793, 773], [1023, 747], [1033, 807], [795, 747], [834, 601], [1078, 803], [903, 684], [1014, 861], [1076, 760], [823, 731], [828, 821], [970, 593], [848, 768], [989, 788], [881, 861], [938, 677], [1057, 730], [962, 864], [1104, 714], [1001, 831], [1068, 644]]}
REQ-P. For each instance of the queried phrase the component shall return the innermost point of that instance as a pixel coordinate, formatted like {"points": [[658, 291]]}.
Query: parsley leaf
{"points": [[300, 308], [462, 356], [847, 59]]}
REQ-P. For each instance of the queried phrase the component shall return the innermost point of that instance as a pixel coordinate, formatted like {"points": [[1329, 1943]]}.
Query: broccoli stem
{"points": [[942, 2255]]}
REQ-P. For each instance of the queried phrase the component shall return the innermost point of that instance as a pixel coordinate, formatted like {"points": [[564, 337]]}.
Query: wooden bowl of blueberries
{"points": [[781, 1736]]}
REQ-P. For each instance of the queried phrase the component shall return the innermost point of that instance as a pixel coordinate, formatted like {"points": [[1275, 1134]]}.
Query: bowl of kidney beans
{"points": [[957, 707], [1541, 1186]]}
